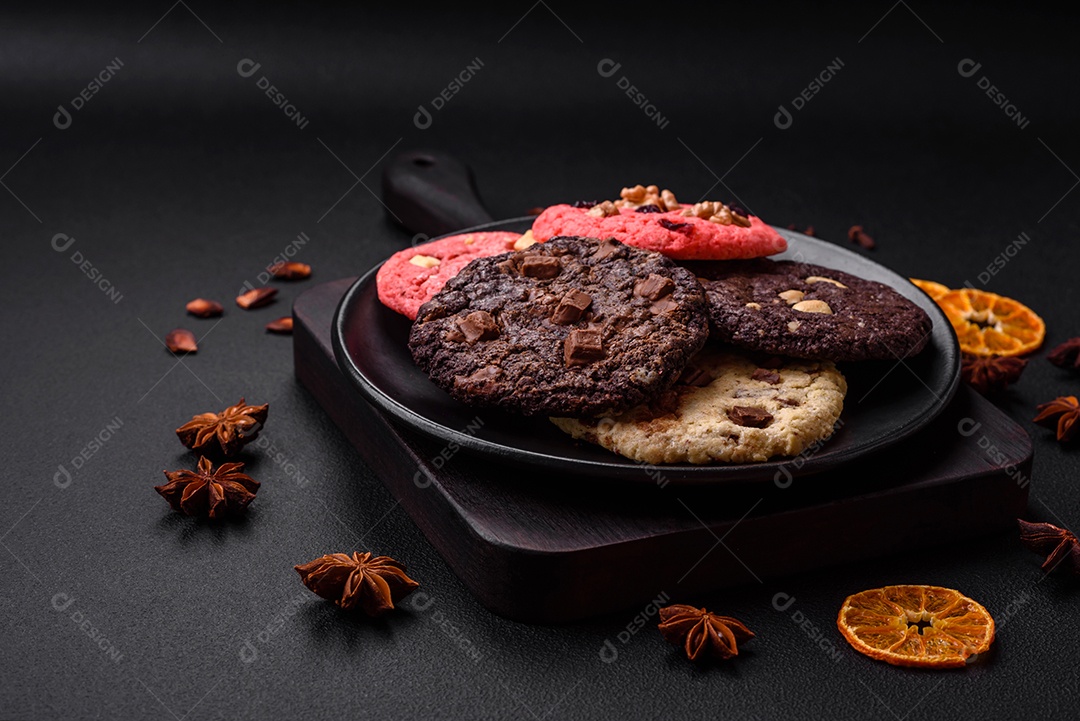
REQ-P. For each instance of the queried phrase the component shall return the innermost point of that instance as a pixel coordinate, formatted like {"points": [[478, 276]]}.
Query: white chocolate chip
{"points": [[793, 326], [812, 306], [822, 279], [425, 261], [792, 296], [525, 241]]}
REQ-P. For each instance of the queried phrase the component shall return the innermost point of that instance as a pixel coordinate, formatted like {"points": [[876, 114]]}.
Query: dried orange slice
{"points": [[932, 288], [884, 623], [990, 324]]}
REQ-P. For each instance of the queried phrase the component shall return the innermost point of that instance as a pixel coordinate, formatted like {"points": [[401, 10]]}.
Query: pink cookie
{"points": [[671, 233], [410, 277]]}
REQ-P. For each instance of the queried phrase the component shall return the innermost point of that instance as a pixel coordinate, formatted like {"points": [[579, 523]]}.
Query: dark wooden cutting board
{"points": [[546, 548]]}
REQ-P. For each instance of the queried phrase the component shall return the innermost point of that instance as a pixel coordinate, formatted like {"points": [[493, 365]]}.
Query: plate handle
{"points": [[432, 192]]}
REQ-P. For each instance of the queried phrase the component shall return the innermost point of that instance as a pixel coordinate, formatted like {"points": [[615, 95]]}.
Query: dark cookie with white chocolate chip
{"points": [[573, 327], [809, 311]]}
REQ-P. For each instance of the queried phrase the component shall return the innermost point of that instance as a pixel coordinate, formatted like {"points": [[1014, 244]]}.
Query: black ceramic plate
{"points": [[886, 402]]}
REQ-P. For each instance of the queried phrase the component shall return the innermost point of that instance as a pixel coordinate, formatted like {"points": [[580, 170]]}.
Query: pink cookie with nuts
{"points": [[650, 218], [670, 233], [411, 277]]}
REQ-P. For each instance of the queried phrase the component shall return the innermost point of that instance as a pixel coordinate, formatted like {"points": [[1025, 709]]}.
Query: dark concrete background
{"points": [[180, 178]]}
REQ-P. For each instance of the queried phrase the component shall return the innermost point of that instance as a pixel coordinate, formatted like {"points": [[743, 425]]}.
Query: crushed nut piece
{"points": [[856, 234], [812, 306], [705, 209], [715, 212], [290, 270], [181, 340], [822, 279], [634, 195], [525, 241], [603, 210], [204, 308], [722, 216], [640, 196], [283, 326], [425, 261], [256, 298], [792, 296], [793, 326], [755, 306]]}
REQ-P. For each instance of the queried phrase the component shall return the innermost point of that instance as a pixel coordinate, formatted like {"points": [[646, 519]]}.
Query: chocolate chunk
{"points": [[582, 347], [482, 381], [764, 374], [664, 305], [542, 267], [698, 377], [606, 248], [572, 306], [654, 287], [750, 416], [667, 403], [478, 325]]}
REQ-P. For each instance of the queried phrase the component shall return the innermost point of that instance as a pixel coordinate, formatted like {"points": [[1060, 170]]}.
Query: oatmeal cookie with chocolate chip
{"points": [[809, 311], [571, 327], [726, 408]]}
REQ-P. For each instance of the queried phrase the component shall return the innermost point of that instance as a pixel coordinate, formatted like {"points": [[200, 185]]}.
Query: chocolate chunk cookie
{"points": [[808, 311], [572, 327], [725, 408]]}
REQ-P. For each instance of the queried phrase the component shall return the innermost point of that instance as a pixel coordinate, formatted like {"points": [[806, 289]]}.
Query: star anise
{"points": [[991, 374], [702, 633], [372, 584], [224, 433], [1066, 355], [1060, 414], [1059, 543], [225, 491]]}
